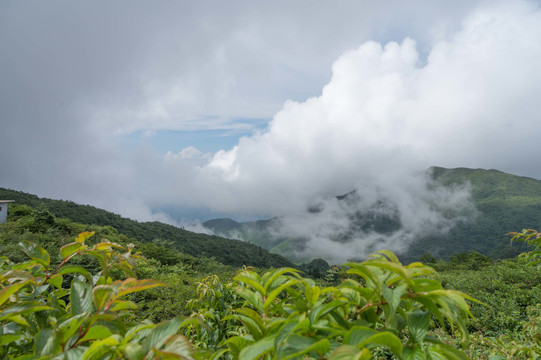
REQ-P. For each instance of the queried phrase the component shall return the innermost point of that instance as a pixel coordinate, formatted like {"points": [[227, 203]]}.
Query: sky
{"points": [[171, 110]]}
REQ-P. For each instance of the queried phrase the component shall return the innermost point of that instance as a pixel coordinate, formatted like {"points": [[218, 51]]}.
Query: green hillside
{"points": [[226, 251], [254, 232], [46, 299], [504, 203]]}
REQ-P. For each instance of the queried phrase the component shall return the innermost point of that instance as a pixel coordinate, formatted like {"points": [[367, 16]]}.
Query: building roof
{"points": [[6, 201]]}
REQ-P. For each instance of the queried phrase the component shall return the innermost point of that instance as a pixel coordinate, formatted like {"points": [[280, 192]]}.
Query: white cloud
{"points": [[386, 114], [188, 153], [450, 94]]}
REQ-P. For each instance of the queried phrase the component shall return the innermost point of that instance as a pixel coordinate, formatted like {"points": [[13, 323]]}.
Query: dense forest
{"points": [[69, 291], [236, 253]]}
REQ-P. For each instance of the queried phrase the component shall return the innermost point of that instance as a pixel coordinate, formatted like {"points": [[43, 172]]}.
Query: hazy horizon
{"points": [[252, 110]]}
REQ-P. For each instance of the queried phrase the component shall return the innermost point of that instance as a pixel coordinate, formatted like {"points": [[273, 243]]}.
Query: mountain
{"points": [[226, 251], [258, 232], [503, 203]]}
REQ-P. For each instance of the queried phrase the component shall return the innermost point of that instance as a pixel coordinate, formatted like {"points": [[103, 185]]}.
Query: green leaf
{"points": [[35, 252], [236, 344], [17, 275], [323, 309], [177, 345], [256, 320], [251, 282], [299, 345], [386, 254], [384, 338], [447, 351], [160, 334], [275, 274], [274, 293], [75, 353], [312, 294], [120, 305], [132, 285], [357, 334], [22, 309], [134, 351], [56, 281], [71, 249], [256, 350], [423, 284], [80, 297], [100, 256], [362, 271], [418, 322], [6, 292], [253, 298], [285, 331], [431, 306], [413, 354], [6, 339], [83, 236], [69, 326], [393, 296], [398, 269], [47, 343], [96, 332], [101, 347], [102, 294], [136, 330], [74, 269], [348, 352], [218, 355]]}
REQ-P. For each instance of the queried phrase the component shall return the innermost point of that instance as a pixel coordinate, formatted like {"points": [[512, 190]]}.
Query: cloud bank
{"points": [[461, 94], [384, 117]]}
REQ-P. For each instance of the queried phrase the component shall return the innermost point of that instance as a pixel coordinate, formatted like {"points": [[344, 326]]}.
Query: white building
{"points": [[4, 210]]}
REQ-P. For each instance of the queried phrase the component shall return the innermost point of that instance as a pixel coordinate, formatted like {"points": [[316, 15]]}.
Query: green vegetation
{"points": [[226, 251], [43, 317], [86, 302], [383, 309], [63, 311], [504, 203]]}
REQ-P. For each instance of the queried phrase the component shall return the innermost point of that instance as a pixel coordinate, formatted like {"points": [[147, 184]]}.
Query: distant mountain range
{"points": [[226, 251], [504, 203]]}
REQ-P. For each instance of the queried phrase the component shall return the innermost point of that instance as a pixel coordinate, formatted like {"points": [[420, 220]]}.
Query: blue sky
{"points": [[206, 141], [288, 102]]}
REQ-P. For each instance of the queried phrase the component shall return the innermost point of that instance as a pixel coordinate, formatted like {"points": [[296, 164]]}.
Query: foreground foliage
{"points": [[387, 309], [65, 312], [378, 308], [508, 323]]}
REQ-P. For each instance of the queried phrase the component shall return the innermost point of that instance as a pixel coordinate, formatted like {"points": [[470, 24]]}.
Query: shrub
{"points": [[282, 315], [89, 319]]}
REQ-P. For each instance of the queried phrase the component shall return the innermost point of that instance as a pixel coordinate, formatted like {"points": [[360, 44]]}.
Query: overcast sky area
{"points": [[256, 109]]}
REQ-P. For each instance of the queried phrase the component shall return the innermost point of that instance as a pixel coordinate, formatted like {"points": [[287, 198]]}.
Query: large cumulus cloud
{"points": [[388, 113]]}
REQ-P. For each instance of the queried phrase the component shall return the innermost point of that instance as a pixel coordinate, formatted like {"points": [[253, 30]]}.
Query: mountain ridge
{"points": [[504, 202], [227, 251]]}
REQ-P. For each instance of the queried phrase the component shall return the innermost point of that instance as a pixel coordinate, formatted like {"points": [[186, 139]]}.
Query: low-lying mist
{"points": [[375, 217], [378, 215]]}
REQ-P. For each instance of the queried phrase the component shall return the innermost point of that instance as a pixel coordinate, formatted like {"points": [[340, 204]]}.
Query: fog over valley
{"points": [[184, 113]]}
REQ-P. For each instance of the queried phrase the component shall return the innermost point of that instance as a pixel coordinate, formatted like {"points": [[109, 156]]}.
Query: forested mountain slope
{"points": [[226, 251], [504, 203]]}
